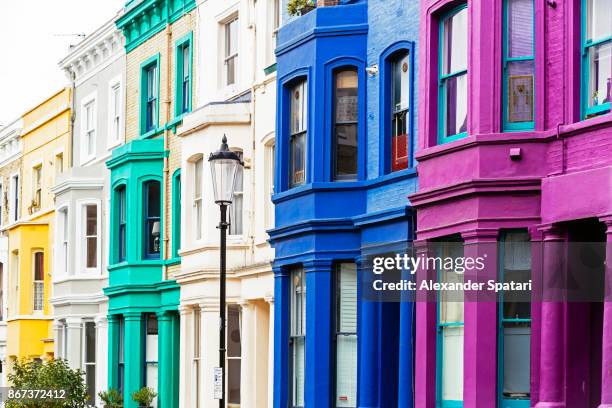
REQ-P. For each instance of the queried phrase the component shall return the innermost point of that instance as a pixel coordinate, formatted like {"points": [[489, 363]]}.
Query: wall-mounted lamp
{"points": [[372, 70]]}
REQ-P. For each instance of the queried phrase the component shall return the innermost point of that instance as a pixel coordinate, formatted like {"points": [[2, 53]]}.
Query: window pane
{"points": [[346, 129], [517, 343], [233, 331], [455, 51], [401, 83], [520, 91], [451, 302], [298, 371], [298, 159], [91, 219], [347, 298], [600, 70], [599, 19], [298, 108], [186, 62], [456, 105], [92, 256], [399, 114], [90, 378], [233, 381], [517, 268], [346, 371], [90, 342], [452, 363], [39, 260], [520, 28], [298, 293], [153, 199]]}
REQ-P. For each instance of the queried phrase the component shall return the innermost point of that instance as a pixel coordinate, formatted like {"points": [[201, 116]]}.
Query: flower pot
{"points": [[306, 9]]}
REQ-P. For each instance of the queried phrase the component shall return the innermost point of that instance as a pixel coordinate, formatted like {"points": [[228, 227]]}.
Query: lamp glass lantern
{"points": [[224, 166]]}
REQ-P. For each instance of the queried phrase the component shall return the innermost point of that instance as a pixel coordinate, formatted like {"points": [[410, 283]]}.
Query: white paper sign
{"points": [[218, 383]]}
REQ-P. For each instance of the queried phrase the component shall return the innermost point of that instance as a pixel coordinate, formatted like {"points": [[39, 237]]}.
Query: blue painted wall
{"points": [[323, 222]]}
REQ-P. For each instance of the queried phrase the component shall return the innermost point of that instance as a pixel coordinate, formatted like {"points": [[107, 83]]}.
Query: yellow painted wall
{"points": [[46, 133]]}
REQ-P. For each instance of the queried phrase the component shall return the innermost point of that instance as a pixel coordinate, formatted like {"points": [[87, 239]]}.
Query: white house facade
{"points": [[96, 68], [10, 155], [236, 97]]}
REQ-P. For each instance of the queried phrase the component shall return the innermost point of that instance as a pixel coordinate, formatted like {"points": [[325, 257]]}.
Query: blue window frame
{"points": [[518, 65], [450, 333], [345, 134], [298, 129], [297, 336], [596, 56], [120, 197], [346, 335], [183, 84], [453, 76], [397, 76], [149, 95], [514, 337], [152, 223]]}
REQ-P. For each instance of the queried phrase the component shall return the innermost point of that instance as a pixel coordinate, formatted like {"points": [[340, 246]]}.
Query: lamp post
{"points": [[223, 168]]}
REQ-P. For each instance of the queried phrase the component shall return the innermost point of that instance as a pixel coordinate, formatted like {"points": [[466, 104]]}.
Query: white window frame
{"points": [[59, 153], [198, 231], [14, 210], [196, 368], [113, 138], [225, 57], [81, 247], [34, 281], [2, 201], [231, 211], [62, 239], [37, 189], [87, 101]]}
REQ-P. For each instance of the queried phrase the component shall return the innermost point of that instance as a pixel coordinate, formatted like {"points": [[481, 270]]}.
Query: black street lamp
{"points": [[223, 167]]}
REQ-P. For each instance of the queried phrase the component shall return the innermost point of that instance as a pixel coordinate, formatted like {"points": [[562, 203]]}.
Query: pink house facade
{"points": [[515, 145]]}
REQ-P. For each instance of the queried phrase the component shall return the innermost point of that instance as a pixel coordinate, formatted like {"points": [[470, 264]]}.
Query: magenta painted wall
{"points": [[474, 188]]}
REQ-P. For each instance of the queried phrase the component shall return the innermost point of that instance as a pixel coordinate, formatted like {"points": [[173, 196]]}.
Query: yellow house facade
{"points": [[45, 154]]}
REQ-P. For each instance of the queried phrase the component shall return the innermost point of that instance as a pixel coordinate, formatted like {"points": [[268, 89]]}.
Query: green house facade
{"points": [[143, 307]]}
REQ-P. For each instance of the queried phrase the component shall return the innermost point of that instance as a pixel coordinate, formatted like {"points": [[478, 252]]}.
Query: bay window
{"points": [[515, 320], [297, 133], [519, 65], [346, 335], [400, 103], [597, 58], [298, 336], [450, 332], [453, 98], [152, 223], [345, 128]]}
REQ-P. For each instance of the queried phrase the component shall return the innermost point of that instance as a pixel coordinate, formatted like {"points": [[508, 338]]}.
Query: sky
{"points": [[34, 37]]}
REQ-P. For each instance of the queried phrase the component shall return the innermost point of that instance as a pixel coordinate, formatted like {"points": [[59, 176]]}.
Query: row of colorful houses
{"points": [[367, 128]]}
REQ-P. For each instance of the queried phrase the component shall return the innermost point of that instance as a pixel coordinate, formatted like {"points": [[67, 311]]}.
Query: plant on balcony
{"points": [[111, 398], [300, 7], [53, 376], [144, 397]]}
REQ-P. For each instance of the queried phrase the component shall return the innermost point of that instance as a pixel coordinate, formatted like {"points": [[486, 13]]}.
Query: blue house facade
{"points": [[346, 132]]}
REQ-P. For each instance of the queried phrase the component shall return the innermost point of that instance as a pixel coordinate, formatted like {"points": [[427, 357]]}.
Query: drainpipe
{"points": [[166, 175], [254, 87]]}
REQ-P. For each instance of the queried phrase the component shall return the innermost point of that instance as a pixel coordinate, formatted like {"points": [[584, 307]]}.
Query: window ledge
{"points": [[152, 133]]}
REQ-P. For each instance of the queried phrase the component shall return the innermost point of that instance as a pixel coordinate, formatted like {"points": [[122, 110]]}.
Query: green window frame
{"points": [[594, 47], [149, 96], [514, 322], [452, 80], [176, 213], [448, 328], [120, 197], [183, 85], [518, 66]]}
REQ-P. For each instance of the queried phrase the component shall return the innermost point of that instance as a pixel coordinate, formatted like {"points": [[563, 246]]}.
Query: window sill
{"points": [[152, 133], [174, 123], [173, 261]]}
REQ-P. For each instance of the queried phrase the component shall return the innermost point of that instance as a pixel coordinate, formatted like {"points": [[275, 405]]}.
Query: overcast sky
{"points": [[32, 42]]}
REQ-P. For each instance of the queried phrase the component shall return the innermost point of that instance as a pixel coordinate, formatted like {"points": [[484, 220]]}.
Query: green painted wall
{"points": [[136, 286]]}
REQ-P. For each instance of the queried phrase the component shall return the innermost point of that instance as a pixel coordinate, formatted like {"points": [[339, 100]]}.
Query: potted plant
{"points": [[300, 7], [144, 397], [111, 398]]}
